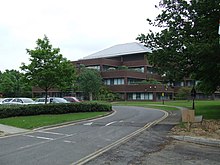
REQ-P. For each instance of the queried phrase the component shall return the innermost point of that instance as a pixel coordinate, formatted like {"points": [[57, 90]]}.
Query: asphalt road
{"points": [[71, 143]]}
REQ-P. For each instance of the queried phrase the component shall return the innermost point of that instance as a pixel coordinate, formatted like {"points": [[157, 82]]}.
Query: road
{"points": [[71, 143]]}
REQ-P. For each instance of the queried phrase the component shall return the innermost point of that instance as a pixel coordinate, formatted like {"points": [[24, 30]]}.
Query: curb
{"points": [[5, 134], [74, 122], [199, 140]]}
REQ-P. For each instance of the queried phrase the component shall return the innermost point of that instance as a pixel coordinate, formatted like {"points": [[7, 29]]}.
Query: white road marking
{"points": [[54, 133], [111, 123], [39, 137], [32, 145], [88, 123], [45, 138], [67, 141]]}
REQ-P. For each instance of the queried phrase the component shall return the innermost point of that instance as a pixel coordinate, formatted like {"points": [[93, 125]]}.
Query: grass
{"points": [[209, 109], [31, 122]]}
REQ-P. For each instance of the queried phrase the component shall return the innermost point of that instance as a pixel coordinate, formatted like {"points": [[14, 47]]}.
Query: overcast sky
{"points": [[78, 27]]}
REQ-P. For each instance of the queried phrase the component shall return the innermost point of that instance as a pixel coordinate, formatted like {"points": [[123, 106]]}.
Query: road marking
{"points": [[88, 123], [39, 137], [111, 123], [67, 141], [120, 141], [48, 140], [53, 133]]}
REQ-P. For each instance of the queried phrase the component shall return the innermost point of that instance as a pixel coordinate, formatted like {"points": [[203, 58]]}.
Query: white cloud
{"points": [[78, 28]]}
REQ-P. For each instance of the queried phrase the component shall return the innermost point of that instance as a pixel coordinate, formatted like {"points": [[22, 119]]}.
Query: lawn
{"points": [[209, 109], [31, 122]]}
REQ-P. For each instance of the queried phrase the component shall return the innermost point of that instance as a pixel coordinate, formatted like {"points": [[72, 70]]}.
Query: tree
{"points": [[90, 82], [48, 68], [12, 84], [184, 93], [106, 94], [187, 45]]}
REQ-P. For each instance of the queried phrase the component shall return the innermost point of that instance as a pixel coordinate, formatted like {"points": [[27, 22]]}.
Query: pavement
{"points": [[9, 130]]}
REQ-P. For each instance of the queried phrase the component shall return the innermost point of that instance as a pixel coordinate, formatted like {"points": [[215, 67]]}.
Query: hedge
{"points": [[39, 109]]}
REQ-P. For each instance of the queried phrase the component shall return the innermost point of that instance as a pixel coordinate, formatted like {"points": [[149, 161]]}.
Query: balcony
{"points": [[123, 73], [100, 61], [135, 63], [140, 88]]}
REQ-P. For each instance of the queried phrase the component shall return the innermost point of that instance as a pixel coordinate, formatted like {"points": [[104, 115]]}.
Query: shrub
{"points": [[38, 109]]}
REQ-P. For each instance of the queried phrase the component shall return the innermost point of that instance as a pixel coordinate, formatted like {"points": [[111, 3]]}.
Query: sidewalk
{"points": [[6, 130]]}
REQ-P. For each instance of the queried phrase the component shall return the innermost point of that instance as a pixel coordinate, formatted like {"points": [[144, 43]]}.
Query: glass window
{"points": [[134, 96], [97, 67], [150, 96], [138, 96], [142, 96]]}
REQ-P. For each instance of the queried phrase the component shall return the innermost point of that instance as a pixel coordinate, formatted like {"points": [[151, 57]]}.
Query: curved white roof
{"points": [[120, 50]]}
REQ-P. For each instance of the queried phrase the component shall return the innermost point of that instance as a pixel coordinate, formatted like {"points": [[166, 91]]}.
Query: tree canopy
{"points": [[89, 81], [12, 84], [188, 44], [48, 68]]}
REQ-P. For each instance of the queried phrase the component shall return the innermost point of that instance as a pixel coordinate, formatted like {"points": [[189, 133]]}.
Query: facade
{"points": [[124, 68]]}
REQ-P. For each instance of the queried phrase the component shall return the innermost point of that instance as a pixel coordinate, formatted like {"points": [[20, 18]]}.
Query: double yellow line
{"points": [[120, 141]]}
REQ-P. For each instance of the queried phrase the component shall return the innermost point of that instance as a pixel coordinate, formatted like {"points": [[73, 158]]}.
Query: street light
{"points": [[193, 94]]}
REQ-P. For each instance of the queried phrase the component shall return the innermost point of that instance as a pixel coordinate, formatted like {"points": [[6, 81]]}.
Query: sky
{"points": [[78, 27]]}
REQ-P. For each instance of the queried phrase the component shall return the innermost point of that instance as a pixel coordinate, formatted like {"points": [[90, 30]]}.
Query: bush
{"points": [[39, 109]]}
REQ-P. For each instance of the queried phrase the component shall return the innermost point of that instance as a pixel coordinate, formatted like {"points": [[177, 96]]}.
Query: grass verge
{"points": [[209, 109], [31, 122]]}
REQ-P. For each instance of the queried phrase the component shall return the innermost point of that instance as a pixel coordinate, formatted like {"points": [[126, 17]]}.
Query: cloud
{"points": [[78, 28]]}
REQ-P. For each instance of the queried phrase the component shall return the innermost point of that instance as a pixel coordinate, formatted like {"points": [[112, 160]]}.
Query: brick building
{"points": [[123, 68]]}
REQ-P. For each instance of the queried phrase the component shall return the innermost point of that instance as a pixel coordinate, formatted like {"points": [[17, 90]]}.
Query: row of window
{"points": [[140, 96], [106, 68], [114, 81]]}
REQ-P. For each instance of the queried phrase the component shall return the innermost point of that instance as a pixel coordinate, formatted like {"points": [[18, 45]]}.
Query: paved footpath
{"points": [[8, 130]]}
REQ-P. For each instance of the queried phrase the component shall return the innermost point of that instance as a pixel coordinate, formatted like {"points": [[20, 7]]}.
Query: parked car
{"points": [[51, 100], [18, 101], [5, 100], [71, 99]]}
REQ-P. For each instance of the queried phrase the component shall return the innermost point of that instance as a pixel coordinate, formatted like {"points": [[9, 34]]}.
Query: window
{"points": [[97, 67], [137, 69]]}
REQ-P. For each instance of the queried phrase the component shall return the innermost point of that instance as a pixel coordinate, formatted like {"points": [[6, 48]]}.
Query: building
{"points": [[126, 71]]}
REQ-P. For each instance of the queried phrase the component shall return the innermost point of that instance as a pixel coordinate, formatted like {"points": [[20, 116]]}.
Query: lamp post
{"points": [[193, 94]]}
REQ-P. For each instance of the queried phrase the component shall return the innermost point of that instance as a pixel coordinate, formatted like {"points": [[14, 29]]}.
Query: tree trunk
{"points": [[90, 96], [46, 92]]}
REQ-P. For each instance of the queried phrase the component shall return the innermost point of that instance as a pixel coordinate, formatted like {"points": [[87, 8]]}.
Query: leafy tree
{"points": [[184, 93], [90, 82], [12, 84], [187, 45], [48, 68], [106, 94]]}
